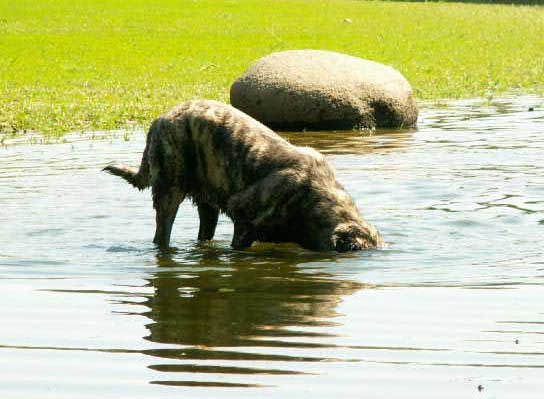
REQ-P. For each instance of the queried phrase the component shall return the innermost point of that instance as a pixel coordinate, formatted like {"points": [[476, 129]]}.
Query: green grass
{"points": [[105, 64]]}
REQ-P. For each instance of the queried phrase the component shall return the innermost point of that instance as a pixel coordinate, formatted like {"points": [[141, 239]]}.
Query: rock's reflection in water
{"points": [[353, 142]]}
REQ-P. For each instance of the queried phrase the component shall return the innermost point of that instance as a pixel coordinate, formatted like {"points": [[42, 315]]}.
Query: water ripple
{"points": [[452, 302]]}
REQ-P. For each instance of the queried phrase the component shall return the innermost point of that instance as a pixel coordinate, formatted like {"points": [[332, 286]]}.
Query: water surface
{"points": [[455, 302]]}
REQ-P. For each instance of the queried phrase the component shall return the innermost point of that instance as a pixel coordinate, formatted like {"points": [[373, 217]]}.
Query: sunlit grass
{"points": [[103, 64]]}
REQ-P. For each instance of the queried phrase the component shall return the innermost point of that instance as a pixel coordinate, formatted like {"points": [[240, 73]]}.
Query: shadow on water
{"points": [[232, 300]]}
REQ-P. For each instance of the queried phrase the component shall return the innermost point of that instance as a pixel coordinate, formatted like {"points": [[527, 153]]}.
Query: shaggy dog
{"points": [[226, 161]]}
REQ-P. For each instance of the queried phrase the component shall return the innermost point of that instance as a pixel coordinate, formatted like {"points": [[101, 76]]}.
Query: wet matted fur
{"points": [[226, 161]]}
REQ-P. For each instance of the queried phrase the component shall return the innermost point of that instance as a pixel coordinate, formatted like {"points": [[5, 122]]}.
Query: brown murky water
{"points": [[91, 309]]}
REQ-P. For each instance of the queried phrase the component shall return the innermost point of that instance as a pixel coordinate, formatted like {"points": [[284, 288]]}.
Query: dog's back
{"points": [[218, 151]]}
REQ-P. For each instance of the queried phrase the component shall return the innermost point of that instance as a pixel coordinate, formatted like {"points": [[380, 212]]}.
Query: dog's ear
{"points": [[345, 238], [344, 245], [354, 237]]}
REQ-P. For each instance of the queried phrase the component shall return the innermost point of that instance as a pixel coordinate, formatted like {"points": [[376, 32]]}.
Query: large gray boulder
{"points": [[318, 90]]}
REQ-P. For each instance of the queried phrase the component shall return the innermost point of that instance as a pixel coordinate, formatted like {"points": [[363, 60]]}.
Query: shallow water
{"points": [[91, 309]]}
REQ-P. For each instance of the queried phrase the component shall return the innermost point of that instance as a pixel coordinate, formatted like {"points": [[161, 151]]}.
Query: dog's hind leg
{"points": [[166, 203], [244, 235], [208, 221]]}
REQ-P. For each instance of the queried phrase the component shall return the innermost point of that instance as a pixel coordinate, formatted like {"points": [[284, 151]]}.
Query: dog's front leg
{"points": [[208, 221], [166, 204], [243, 235]]}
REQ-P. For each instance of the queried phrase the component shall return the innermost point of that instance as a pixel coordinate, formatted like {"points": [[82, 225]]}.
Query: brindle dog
{"points": [[226, 161]]}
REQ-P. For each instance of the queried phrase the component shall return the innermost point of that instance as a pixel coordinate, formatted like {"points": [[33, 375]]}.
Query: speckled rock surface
{"points": [[321, 90]]}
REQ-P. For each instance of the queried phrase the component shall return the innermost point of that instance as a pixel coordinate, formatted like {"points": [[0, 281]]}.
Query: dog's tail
{"points": [[132, 175], [139, 178]]}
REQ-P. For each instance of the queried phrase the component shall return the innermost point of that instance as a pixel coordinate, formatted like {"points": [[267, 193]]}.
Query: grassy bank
{"points": [[103, 64]]}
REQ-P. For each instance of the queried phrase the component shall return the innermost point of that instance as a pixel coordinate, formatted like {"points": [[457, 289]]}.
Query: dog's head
{"points": [[355, 237]]}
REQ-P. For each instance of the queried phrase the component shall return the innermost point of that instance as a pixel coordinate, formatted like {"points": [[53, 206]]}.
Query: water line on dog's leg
{"points": [[166, 206], [243, 235]]}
